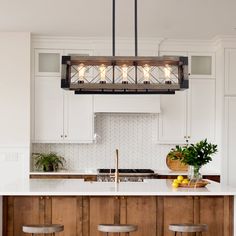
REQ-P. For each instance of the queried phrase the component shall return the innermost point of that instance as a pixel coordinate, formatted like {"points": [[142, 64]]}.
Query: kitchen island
{"points": [[81, 206]]}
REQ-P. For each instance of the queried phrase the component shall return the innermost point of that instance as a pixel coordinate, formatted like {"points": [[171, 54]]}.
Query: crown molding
{"points": [[195, 45]]}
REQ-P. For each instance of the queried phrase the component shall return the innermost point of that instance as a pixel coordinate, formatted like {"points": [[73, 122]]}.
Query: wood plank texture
{"points": [[152, 215]]}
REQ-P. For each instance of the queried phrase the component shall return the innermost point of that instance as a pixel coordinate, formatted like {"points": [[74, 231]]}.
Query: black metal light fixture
{"points": [[124, 74]]}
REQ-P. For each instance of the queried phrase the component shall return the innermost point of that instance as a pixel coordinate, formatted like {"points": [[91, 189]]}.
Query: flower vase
{"points": [[194, 173]]}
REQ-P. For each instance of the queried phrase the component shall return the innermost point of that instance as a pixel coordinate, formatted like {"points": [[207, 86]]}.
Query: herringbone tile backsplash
{"points": [[134, 135]]}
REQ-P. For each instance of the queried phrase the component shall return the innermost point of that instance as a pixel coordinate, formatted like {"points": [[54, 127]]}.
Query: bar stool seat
{"points": [[188, 228], [42, 229], [117, 228]]}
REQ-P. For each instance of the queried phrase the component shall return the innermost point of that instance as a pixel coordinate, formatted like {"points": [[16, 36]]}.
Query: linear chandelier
{"points": [[124, 74]]}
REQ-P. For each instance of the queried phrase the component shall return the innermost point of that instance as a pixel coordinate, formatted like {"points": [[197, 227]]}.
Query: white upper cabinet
{"points": [[202, 65], [201, 110], [173, 119], [48, 110], [229, 141], [188, 115], [230, 71], [47, 62], [79, 118], [127, 103], [60, 116]]}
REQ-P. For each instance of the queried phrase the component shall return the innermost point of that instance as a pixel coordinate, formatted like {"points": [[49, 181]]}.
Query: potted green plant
{"points": [[194, 155], [48, 161]]}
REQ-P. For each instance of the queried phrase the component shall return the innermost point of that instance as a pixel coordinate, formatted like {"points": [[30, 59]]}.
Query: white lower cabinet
{"points": [[59, 115], [188, 115]]}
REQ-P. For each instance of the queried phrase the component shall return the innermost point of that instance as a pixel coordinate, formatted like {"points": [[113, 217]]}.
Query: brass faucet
{"points": [[117, 167]]}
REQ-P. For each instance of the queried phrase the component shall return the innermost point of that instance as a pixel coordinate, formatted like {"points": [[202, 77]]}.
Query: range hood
{"points": [[127, 104]]}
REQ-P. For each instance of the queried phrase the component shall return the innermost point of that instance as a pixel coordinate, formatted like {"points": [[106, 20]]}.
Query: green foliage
{"points": [[48, 161], [194, 154]]}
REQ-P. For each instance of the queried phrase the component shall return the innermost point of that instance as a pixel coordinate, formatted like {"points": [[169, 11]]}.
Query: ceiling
{"points": [[199, 19]]}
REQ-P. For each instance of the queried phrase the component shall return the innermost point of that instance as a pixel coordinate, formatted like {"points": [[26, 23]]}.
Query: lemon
{"points": [[175, 185], [175, 181], [180, 178], [185, 181]]}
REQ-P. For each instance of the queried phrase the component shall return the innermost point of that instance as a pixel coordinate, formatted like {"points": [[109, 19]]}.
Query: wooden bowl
{"points": [[175, 165], [192, 184]]}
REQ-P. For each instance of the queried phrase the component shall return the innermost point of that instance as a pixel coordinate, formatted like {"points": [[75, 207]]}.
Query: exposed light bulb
{"points": [[102, 70], [167, 71], [146, 73], [124, 73], [81, 70]]}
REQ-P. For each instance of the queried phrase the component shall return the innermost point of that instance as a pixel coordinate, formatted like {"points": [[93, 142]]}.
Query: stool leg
{"points": [[175, 233]]}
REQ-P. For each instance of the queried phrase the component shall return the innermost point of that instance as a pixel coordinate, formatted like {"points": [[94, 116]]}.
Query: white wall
{"points": [[14, 89]]}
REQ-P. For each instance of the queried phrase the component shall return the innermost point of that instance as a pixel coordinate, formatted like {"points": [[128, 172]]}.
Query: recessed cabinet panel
{"points": [[230, 71], [230, 136], [172, 119], [78, 117], [201, 108], [48, 109], [48, 62], [202, 65]]}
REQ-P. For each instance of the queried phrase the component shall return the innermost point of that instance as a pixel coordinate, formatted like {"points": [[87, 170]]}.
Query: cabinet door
{"points": [[176, 210], [47, 62], [201, 110], [229, 141], [22, 211], [141, 211], [172, 119], [102, 210], [230, 71], [48, 109], [68, 212], [78, 122], [202, 65]]}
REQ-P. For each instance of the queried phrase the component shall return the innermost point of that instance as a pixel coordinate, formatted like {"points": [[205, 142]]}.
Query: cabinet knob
{"points": [[185, 136], [41, 198], [65, 136], [188, 136], [61, 136]]}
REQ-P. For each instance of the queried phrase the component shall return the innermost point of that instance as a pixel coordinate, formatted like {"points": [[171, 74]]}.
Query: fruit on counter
{"points": [[185, 181], [180, 180], [175, 184]]}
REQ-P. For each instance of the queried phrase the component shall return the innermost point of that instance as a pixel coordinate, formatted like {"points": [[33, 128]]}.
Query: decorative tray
{"points": [[195, 184]]}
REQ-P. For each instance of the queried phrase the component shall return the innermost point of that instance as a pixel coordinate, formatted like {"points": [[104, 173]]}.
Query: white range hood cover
{"points": [[127, 103]]}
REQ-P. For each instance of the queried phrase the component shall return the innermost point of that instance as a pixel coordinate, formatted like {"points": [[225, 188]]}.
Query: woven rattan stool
{"points": [[117, 228], [188, 228], [42, 229]]}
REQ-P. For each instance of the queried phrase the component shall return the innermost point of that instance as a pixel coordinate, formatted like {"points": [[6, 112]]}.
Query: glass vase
{"points": [[194, 173]]}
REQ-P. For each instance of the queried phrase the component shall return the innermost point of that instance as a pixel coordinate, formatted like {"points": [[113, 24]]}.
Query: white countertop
{"points": [[94, 172], [77, 187]]}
